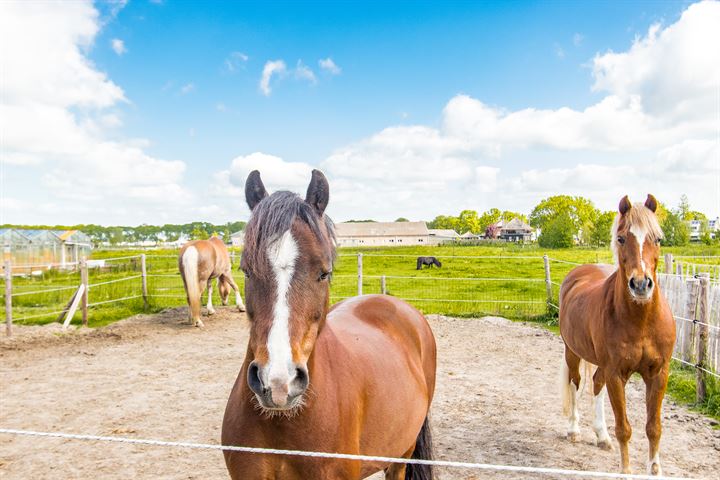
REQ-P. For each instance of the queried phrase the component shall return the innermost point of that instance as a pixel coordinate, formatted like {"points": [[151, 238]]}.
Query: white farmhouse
{"points": [[375, 234]]}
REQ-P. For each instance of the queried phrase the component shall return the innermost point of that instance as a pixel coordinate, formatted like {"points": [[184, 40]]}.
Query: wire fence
{"points": [[335, 455], [518, 287]]}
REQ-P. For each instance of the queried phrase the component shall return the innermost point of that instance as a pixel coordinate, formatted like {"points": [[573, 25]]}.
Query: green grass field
{"points": [[505, 280]]}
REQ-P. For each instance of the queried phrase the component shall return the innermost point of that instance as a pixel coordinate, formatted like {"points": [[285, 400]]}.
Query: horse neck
{"points": [[627, 306]]}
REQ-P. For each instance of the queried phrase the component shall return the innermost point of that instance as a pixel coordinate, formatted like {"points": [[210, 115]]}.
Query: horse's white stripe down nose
{"points": [[282, 255], [640, 233]]}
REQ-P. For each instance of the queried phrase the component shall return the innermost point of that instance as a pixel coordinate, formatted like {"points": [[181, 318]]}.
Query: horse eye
{"points": [[324, 276], [621, 240]]}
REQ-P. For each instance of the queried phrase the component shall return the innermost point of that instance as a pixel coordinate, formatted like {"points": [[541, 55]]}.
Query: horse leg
{"points": [[396, 471], [599, 425], [654, 393], [238, 299], [623, 430], [570, 386], [419, 264], [210, 309]]}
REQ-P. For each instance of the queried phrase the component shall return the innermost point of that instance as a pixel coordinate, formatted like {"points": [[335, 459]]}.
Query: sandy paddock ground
{"points": [[154, 376]]}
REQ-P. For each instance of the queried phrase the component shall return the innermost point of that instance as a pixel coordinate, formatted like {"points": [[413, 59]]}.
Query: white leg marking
{"points": [[210, 308], [655, 461], [574, 426], [282, 255], [239, 302], [599, 425]]}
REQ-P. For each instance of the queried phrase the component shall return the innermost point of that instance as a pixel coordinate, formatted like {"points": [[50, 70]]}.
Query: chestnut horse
{"points": [[357, 378], [618, 320], [200, 262]]}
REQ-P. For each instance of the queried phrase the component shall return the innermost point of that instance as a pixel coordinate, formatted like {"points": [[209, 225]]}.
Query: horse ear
{"points": [[625, 205], [318, 192], [254, 189], [651, 203]]}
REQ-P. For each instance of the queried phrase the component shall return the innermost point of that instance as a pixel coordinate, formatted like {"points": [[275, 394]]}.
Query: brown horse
{"points": [[200, 262], [617, 319], [356, 378]]}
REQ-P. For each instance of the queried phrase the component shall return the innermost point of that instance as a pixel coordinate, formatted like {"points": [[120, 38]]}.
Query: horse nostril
{"points": [[649, 282], [253, 379], [632, 283], [302, 379]]}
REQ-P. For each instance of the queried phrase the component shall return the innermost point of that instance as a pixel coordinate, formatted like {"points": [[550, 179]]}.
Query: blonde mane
{"points": [[641, 216]]}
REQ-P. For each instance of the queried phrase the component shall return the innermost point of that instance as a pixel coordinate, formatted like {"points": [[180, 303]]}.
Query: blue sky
{"points": [[185, 115]]}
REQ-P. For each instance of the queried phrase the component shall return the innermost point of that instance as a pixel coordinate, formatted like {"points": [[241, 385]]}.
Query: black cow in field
{"points": [[429, 261]]}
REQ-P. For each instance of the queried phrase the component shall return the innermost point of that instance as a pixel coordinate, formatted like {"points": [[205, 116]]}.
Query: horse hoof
{"points": [[199, 324], [211, 312], [605, 445], [241, 309], [655, 469], [573, 436]]}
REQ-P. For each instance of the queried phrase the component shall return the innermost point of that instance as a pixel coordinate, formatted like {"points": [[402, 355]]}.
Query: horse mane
{"points": [[274, 216], [639, 215]]}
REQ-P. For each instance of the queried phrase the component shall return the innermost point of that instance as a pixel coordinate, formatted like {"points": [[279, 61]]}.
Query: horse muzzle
{"points": [[641, 288], [278, 392]]}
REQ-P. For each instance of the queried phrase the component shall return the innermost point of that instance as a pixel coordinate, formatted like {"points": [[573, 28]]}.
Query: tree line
{"points": [[565, 220], [116, 235]]}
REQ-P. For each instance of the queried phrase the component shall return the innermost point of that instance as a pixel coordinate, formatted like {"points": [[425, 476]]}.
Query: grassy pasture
{"points": [[472, 282]]}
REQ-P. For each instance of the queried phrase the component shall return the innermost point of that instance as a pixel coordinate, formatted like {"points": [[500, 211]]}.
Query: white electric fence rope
{"points": [[341, 456], [115, 281], [48, 290], [714, 327], [696, 366]]}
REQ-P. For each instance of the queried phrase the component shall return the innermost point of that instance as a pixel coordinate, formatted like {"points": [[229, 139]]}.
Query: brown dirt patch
{"points": [[154, 376]]}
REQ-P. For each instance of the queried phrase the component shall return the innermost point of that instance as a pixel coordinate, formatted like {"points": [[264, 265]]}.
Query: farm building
{"points": [[48, 248], [372, 234], [442, 235], [237, 239], [469, 237], [516, 231]]}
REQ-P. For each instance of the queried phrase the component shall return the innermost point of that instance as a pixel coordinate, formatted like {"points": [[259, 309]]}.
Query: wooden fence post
{"points": [[703, 316], [8, 298], [359, 273], [84, 281], [383, 288], [143, 269], [548, 282], [668, 263], [688, 328]]}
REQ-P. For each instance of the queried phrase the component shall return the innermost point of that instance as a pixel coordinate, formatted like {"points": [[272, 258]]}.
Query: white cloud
{"points": [[303, 72], [235, 61], [328, 65], [187, 88], [56, 114], [118, 46], [275, 67]]}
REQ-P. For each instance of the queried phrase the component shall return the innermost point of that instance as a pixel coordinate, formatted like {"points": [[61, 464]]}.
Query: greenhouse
{"points": [[44, 248]]}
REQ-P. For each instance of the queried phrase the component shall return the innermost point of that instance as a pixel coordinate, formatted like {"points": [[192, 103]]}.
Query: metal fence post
{"points": [[84, 281], [360, 273], [8, 298], [143, 269], [703, 315], [668, 263], [383, 287], [548, 282]]}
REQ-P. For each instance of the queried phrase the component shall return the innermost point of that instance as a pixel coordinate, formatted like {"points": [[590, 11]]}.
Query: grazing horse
{"points": [[618, 320], [200, 262], [429, 261], [357, 378]]}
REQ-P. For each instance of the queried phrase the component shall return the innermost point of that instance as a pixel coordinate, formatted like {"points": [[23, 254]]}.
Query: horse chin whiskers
{"points": [[287, 413]]}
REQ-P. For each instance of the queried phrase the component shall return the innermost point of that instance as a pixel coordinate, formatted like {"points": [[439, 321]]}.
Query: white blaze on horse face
{"points": [[640, 233], [282, 255]]}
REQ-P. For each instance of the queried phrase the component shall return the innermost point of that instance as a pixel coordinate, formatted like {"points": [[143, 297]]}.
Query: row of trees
{"points": [[565, 220], [116, 235]]}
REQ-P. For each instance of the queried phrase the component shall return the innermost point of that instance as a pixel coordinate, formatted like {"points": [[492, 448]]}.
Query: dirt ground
{"points": [[153, 376]]}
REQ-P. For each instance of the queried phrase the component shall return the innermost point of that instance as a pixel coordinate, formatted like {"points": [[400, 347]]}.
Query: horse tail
{"points": [[423, 451], [192, 282]]}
